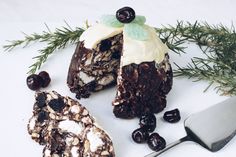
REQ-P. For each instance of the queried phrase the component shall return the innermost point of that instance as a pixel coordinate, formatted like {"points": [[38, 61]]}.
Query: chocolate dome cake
{"points": [[123, 50]]}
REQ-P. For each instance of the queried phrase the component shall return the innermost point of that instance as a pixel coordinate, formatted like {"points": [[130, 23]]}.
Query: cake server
{"points": [[212, 128]]}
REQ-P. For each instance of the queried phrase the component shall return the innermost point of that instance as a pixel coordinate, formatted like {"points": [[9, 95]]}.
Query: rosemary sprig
{"points": [[26, 41], [218, 43], [56, 40]]}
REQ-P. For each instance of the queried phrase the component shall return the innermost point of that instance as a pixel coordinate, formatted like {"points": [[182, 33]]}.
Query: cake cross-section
{"points": [[66, 128]]}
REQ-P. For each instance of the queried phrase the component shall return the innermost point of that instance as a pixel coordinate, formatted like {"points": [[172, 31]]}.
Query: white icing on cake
{"points": [[134, 51], [94, 140], [137, 51], [71, 126], [93, 35]]}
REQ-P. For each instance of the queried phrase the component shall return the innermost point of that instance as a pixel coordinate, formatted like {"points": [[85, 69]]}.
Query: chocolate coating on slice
{"points": [[66, 128]]}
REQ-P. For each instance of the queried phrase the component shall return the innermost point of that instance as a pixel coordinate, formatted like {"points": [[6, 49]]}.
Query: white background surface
{"points": [[17, 100]]}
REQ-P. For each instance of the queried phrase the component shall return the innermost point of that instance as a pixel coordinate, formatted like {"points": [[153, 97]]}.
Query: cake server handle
{"points": [[154, 154]]}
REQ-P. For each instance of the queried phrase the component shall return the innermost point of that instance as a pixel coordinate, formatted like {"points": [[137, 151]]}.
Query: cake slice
{"points": [[126, 53], [66, 128]]}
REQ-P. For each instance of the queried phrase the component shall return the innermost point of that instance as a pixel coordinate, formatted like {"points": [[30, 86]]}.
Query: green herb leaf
{"points": [[136, 31], [139, 19], [111, 21]]}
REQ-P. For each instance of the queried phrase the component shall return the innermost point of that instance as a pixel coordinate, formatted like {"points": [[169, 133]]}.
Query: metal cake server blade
{"points": [[212, 128]]}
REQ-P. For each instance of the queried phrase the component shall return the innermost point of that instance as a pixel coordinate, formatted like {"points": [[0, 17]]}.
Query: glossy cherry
{"points": [[148, 121], [156, 142], [125, 15]]}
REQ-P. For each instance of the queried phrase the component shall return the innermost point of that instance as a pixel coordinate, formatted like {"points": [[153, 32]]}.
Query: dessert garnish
{"points": [[172, 116], [125, 15], [133, 24], [156, 142], [35, 82], [46, 78], [140, 135], [148, 121]]}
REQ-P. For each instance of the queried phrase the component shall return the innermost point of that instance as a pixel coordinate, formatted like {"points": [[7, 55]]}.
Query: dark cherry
{"points": [[57, 104], [78, 96], [105, 45], [140, 135], [125, 15], [42, 116], [148, 121], [156, 142], [34, 82], [172, 116], [91, 86], [85, 95], [116, 55], [45, 77], [41, 100]]}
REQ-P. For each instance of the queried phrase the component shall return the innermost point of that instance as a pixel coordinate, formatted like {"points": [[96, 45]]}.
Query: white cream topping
{"points": [[93, 35], [94, 140], [137, 51], [71, 126], [134, 51]]}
